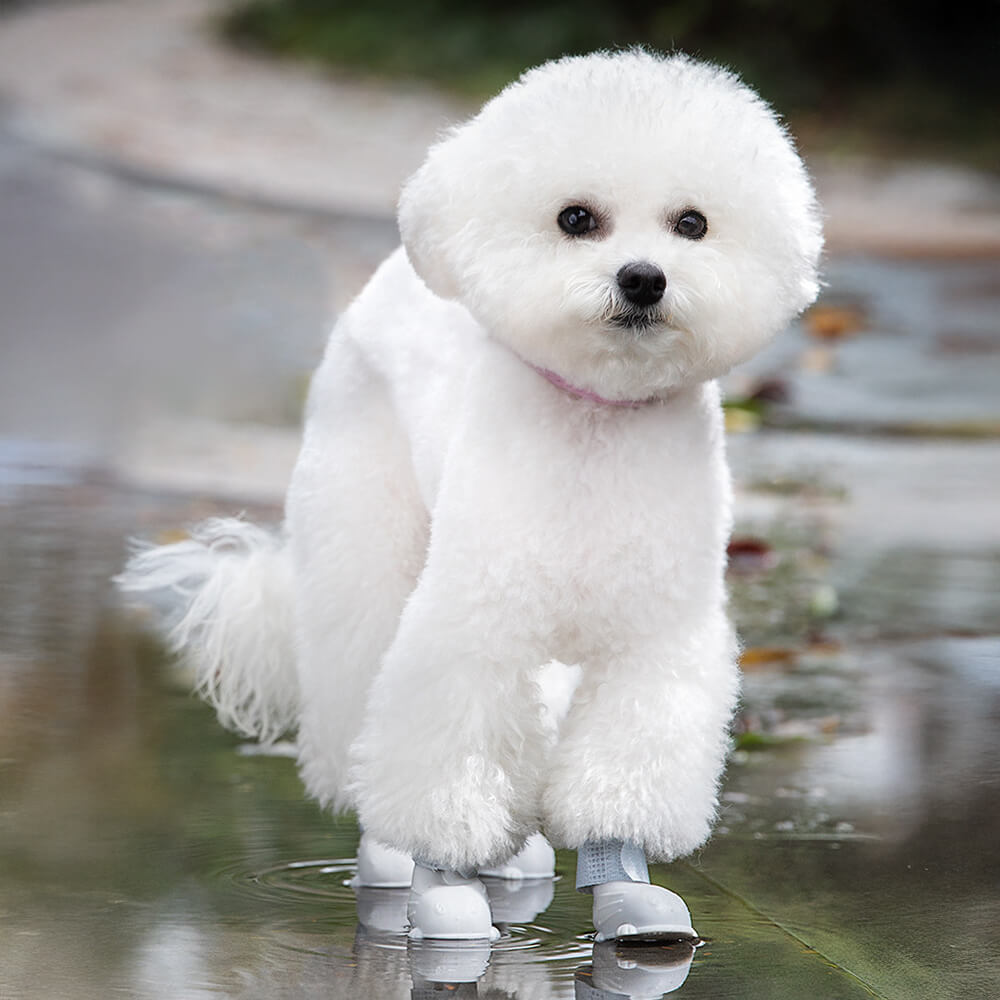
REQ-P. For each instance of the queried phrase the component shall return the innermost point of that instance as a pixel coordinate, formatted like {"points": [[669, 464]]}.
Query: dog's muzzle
{"points": [[640, 290], [638, 320]]}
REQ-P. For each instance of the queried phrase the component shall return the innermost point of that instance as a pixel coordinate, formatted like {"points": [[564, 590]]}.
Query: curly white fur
{"points": [[229, 613], [456, 519]]}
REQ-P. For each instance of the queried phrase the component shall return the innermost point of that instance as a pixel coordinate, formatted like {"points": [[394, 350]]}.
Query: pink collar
{"points": [[574, 390]]}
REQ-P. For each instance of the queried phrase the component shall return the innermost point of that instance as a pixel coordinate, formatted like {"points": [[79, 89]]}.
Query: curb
{"points": [[159, 180]]}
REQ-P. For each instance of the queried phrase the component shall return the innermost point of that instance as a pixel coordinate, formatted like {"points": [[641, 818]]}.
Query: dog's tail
{"points": [[225, 594]]}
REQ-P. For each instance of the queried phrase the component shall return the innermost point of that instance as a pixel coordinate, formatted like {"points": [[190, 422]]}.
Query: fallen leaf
{"points": [[826, 322], [740, 420], [171, 535], [817, 359], [750, 555], [759, 656], [771, 390]]}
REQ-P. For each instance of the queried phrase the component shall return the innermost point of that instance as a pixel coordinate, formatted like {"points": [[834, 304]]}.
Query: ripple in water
{"points": [[381, 913], [294, 882]]}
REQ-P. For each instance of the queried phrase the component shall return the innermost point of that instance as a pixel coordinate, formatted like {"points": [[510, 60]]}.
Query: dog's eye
{"points": [[691, 225], [577, 220]]}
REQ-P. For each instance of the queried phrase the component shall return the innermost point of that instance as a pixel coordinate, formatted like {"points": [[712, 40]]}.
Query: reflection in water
{"points": [[614, 972], [440, 963], [634, 970], [142, 854], [172, 960]]}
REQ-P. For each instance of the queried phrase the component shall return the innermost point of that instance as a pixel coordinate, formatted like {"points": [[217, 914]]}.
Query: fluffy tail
{"points": [[229, 614]]}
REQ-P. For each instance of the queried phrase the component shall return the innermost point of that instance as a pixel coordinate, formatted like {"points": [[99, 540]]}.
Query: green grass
{"points": [[471, 50]]}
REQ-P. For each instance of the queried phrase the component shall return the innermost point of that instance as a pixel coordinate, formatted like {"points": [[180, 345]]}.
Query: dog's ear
{"points": [[430, 216]]}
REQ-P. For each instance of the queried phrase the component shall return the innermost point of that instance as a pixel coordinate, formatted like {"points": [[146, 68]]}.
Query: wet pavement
{"points": [[155, 340], [144, 852]]}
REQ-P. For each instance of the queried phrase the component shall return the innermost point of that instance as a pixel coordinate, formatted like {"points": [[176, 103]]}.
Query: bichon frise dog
{"points": [[513, 457]]}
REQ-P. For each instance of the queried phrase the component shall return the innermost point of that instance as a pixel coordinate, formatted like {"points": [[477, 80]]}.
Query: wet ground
{"points": [[145, 853]]}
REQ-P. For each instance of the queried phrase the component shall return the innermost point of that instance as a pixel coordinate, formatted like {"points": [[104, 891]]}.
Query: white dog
{"points": [[513, 455]]}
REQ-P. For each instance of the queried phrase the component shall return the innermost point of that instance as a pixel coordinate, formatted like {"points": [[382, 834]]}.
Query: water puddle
{"points": [[532, 929], [144, 852]]}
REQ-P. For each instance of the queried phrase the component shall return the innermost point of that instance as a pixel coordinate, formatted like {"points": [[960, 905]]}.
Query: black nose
{"points": [[642, 283]]}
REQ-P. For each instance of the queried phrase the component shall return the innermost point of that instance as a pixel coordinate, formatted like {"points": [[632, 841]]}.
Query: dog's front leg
{"points": [[643, 746], [446, 764]]}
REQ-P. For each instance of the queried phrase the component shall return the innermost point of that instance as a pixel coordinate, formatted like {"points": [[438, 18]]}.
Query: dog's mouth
{"points": [[638, 320]]}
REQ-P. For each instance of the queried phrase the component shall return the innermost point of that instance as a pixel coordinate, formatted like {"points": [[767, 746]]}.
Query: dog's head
{"points": [[631, 222]]}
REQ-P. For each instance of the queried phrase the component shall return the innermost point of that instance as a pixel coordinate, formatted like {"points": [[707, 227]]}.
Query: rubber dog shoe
{"points": [[381, 867], [535, 860], [639, 911], [446, 906], [518, 901]]}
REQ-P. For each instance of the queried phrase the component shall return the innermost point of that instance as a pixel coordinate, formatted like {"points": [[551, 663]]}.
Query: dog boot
{"points": [[640, 911], [626, 906], [518, 901], [448, 906], [381, 867], [535, 860]]}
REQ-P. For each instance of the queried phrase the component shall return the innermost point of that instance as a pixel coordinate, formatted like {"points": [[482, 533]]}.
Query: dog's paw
{"points": [[458, 819]]}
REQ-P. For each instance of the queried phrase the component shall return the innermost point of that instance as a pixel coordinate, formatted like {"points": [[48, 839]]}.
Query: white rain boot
{"points": [[535, 860], [626, 906], [447, 906], [381, 867], [640, 911]]}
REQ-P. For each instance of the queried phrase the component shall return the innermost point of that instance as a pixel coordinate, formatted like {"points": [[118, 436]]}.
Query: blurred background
{"points": [[885, 77], [190, 191]]}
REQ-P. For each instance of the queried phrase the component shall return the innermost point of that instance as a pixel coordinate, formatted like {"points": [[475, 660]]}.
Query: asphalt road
{"points": [[122, 302]]}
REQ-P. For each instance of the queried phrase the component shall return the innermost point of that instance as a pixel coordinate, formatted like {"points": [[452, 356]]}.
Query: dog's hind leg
{"points": [[358, 533]]}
